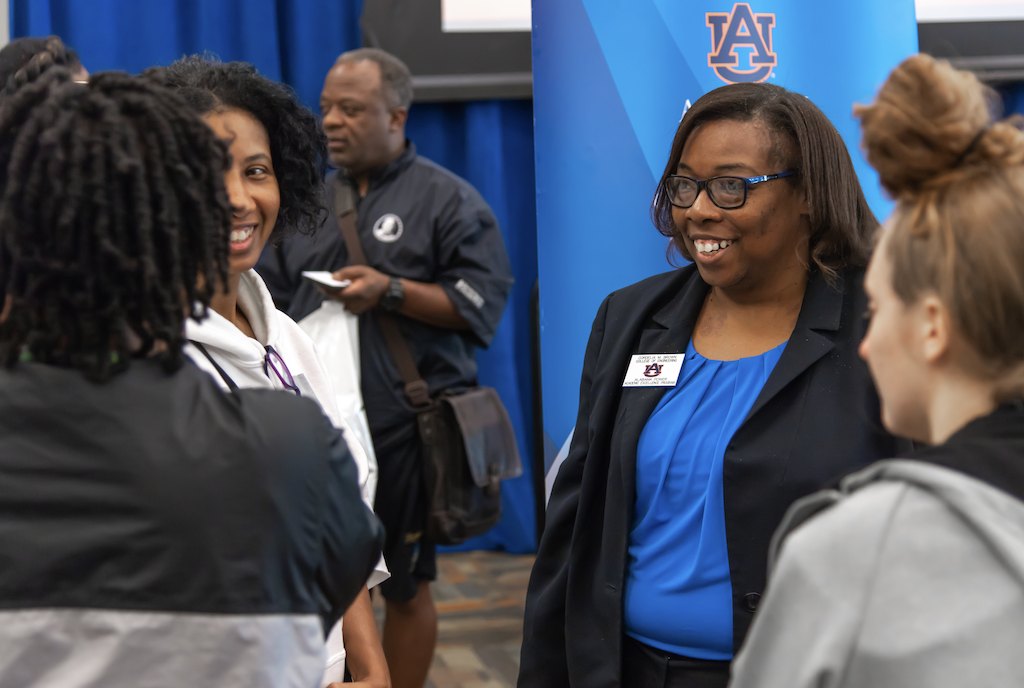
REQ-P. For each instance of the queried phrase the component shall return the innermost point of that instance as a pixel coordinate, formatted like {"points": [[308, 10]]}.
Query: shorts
{"points": [[401, 505]]}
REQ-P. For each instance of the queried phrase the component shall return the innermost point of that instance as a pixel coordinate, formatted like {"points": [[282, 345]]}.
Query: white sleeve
{"points": [[336, 655]]}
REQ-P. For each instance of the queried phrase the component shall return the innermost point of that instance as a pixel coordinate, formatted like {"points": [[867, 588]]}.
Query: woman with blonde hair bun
{"points": [[911, 573]]}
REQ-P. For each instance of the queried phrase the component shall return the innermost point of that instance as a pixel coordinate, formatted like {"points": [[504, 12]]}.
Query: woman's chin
{"points": [[900, 426], [241, 263], [717, 275], [245, 260]]}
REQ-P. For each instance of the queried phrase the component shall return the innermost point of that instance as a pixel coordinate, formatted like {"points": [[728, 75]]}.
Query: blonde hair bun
{"points": [[930, 125]]}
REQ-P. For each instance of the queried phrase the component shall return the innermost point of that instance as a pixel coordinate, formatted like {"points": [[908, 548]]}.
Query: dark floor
{"points": [[480, 598]]}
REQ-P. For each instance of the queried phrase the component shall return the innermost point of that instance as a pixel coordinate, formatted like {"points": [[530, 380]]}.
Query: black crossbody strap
{"points": [[415, 386], [224, 376], [345, 207]]}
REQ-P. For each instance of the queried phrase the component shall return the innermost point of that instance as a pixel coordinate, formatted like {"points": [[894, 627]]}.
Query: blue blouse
{"points": [[678, 592]]}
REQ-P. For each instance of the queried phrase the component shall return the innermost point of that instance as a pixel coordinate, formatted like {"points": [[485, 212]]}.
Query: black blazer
{"points": [[816, 418]]}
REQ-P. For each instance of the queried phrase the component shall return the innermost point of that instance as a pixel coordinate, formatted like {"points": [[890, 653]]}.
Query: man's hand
{"points": [[367, 287], [423, 301]]}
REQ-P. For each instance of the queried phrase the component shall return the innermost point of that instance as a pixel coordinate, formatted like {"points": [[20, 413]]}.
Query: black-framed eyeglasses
{"points": [[727, 193], [274, 362]]}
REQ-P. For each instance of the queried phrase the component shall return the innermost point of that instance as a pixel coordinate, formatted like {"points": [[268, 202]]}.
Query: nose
{"points": [[238, 195], [862, 350], [703, 209], [332, 118]]}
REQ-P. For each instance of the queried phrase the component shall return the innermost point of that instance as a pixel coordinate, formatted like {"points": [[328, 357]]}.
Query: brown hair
{"points": [[842, 224], [958, 227]]}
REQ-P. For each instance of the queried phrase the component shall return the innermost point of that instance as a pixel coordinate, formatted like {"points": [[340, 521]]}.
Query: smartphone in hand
{"points": [[324, 279]]}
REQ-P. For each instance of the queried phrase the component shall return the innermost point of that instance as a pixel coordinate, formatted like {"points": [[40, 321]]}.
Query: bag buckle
{"points": [[419, 394]]}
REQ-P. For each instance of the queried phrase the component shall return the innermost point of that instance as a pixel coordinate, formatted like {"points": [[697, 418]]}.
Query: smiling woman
{"points": [[659, 520], [278, 156], [252, 190]]}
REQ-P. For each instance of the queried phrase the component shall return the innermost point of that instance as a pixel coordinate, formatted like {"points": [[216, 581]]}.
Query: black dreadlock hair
{"points": [[114, 221], [298, 146], [24, 59]]}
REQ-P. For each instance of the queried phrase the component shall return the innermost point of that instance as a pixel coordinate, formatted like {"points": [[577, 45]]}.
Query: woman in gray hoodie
{"points": [[911, 573]]}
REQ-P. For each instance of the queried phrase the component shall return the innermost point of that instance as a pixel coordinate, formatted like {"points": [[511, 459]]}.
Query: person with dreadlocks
{"points": [[278, 157], [149, 537], [24, 59]]}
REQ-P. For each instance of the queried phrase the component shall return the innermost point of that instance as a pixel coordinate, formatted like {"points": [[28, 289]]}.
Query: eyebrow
{"points": [[257, 156], [720, 168]]}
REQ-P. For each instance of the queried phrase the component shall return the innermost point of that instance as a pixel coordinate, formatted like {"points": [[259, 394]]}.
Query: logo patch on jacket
{"points": [[462, 286], [388, 228]]}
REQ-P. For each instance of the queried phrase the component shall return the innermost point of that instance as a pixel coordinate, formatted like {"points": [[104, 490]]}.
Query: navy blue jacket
{"points": [[421, 222], [157, 531]]}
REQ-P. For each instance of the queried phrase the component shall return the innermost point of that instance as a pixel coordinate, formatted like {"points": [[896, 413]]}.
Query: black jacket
{"points": [[231, 523], [816, 417]]}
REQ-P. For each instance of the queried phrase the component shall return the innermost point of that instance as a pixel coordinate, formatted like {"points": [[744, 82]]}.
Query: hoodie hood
{"points": [[994, 515], [218, 333], [977, 474]]}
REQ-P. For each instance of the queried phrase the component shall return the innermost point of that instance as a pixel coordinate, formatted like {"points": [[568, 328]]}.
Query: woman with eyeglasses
{"points": [[278, 157], [712, 397]]}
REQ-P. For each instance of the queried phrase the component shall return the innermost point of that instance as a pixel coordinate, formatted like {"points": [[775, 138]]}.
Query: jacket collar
{"points": [[822, 307], [678, 317], [821, 311], [990, 448], [384, 173]]}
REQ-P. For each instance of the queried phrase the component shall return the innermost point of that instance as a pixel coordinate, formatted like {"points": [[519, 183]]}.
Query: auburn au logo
{"points": [[653, 370], [752, 34]]}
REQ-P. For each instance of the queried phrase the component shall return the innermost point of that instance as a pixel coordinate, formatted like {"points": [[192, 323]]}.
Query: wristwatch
{"points": [[394, 297]]}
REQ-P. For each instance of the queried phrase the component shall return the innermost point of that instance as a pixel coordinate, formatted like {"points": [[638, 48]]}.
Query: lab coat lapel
{"points": [[821, 311]]}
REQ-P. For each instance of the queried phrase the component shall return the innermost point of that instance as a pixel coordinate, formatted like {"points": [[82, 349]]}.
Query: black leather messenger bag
{"points": [[469, 446]]}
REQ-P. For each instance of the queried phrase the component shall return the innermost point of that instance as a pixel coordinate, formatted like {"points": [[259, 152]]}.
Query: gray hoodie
{"points": [[911, 574]]}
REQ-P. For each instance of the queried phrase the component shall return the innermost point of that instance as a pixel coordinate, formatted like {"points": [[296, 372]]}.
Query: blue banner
{"points": [[612, 79]]}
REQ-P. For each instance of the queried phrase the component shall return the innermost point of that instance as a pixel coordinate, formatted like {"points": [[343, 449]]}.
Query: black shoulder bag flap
{"points": [[469, 446], [490, 442]]}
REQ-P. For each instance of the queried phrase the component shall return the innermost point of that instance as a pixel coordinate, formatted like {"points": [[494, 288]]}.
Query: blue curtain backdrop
{"points": [[489, 143], [1013, 98]]}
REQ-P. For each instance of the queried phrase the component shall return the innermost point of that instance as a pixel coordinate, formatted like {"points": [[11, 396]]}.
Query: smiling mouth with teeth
{"points": [[240, 235], [710, 246]]}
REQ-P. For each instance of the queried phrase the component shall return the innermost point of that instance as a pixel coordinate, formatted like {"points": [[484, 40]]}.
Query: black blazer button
{"points": [[750, 601]]}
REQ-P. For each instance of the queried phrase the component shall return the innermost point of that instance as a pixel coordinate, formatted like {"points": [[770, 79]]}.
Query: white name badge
{"points": [[653, 370]]}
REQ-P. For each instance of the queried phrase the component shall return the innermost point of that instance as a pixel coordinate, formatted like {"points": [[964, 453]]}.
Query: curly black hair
{"points": [[298, 147], [114, 221]]}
